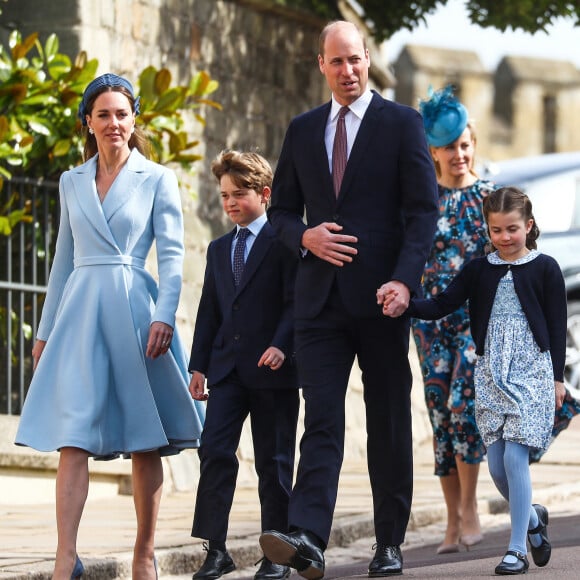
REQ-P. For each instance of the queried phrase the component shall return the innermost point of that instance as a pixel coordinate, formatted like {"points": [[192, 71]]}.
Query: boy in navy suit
{"points": [[243, 346]]}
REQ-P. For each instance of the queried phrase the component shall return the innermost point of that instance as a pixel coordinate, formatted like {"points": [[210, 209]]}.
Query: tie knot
{"points": [[343, 111], [243, 233]]}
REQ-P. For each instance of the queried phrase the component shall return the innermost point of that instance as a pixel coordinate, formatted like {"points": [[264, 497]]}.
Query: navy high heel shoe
{"points": [[78, 570]]}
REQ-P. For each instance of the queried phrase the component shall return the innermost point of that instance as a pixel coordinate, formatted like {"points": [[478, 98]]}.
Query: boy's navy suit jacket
{"points": [[234, 326]]}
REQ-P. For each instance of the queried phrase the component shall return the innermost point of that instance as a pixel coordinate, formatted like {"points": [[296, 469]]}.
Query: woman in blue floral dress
{"points": [[445, 347]]}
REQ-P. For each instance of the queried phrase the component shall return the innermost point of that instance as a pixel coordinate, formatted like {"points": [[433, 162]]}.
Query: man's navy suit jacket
{"points": [[388, 200], [234, 326]]}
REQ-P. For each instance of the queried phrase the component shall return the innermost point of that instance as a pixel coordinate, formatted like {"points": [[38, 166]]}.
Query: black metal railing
{"points": [[25, 259]]}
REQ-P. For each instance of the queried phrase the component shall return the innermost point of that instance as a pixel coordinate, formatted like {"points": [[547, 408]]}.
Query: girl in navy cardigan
{"points": [[517, 305]]}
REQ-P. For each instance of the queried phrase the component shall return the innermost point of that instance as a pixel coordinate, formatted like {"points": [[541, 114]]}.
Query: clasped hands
{"points": [[394, 297], [325, 242]]}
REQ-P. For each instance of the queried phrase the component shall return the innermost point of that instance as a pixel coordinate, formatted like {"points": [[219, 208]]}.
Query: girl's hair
{"points": [[246, 169], [508, 199], [138, 139]]}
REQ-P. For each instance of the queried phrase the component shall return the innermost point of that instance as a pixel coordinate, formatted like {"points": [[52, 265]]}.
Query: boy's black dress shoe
{"points": [[541, 554], [298, 550], [519, 567], [270, 571], [388, 561], [217, 563]]}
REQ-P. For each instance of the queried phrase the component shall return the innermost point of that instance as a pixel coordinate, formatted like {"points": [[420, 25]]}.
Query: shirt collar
{"points": [[495, 259], [256, 226], [358, 107]]}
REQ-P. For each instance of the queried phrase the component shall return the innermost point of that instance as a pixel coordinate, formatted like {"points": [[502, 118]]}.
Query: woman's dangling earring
{"points": [[132, 129], [91, 131]]}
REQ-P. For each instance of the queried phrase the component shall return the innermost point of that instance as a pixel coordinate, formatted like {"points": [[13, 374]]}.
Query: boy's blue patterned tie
{"points": [[239, 251]]}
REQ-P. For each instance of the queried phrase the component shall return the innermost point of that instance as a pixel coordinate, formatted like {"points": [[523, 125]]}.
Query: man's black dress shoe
{"points": [[298, 550], [217, 563], [519, 567], [541, 554], [388, 561], [270, 571]]}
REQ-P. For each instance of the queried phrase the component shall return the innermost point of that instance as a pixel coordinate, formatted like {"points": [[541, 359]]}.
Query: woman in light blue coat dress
{"points": [[110, 373]]}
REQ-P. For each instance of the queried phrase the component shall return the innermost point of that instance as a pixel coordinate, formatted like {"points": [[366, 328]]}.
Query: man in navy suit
{"points": [[243, 344], [370, 219]]}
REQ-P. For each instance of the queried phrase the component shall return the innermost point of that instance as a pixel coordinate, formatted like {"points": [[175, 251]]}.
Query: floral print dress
{"points": [[514, 380]]}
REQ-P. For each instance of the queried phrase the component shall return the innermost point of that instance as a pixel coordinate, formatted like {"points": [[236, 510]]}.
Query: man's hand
{"points": [[394, 297], [327, 245]]}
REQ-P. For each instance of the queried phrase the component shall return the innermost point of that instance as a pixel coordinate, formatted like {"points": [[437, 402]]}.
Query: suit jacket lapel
{"points": [[87, 198], [224, 257], [359, 149], [260, 248], [126, 184], [320, 153]]}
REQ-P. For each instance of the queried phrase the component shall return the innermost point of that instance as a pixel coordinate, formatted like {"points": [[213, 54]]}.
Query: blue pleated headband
{"points": [[106, 80]]}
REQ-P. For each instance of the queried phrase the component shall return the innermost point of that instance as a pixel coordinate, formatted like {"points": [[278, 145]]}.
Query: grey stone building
{"points": [[538, 102]]}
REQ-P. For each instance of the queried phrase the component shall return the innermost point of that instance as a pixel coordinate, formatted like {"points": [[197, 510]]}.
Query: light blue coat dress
{"points": [[94, 388]]}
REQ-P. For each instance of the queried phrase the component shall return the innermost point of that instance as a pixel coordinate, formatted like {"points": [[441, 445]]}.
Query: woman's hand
{"points": [[36, 352], [160, 335]]}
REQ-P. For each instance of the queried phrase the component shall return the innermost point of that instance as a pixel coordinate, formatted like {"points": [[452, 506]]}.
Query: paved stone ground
{"points": [[28, 535]]}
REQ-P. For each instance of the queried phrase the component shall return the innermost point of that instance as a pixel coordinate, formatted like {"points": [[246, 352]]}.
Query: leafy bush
{"points": [[161, 113], [40, 90], [39, 95]]}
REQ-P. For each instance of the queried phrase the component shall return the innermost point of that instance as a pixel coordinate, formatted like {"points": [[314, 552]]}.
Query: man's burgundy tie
{"points": [[339, 155]]}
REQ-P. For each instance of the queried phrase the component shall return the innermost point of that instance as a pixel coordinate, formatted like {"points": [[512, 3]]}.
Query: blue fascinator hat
{"points": [[95, 86], [444, 117]]}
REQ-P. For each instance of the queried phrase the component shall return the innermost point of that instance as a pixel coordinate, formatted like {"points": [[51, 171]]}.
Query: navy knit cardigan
{"points": [[539, 285]]}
